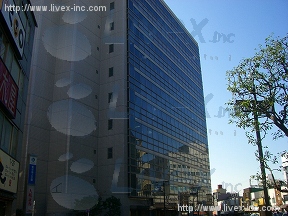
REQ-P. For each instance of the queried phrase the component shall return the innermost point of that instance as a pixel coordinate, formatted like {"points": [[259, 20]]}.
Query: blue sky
{"points": [[245, 24]]}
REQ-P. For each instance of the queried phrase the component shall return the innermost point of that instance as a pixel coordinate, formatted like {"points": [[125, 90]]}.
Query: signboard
{"points": [[30, 199], [32, 170], [8, 90], [9, 169], [14, 24], [31, 182]]}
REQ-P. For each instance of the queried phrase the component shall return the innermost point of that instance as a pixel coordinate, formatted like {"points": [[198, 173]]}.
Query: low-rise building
{"points": [[228, 203]]}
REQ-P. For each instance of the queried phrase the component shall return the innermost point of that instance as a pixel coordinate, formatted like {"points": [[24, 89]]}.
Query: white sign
{"points": [[9, 169], [14, 24], [33, 160]]}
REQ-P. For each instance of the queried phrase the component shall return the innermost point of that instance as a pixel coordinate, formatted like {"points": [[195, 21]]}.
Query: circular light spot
{"points": [[65, 157], [82, 165], [66, 43], [73, 17], [71, 118], [63, 82], [79, 91], [73, 193]]}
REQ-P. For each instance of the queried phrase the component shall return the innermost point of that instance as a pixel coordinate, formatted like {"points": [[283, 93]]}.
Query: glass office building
{"points": [[119, 110], [167, 126]]}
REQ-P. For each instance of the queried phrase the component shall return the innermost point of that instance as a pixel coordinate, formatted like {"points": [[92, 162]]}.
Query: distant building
{"points": [[284, 158], [16, 42], [275, 197], [255, 197], [226, 201], [219, 190]]}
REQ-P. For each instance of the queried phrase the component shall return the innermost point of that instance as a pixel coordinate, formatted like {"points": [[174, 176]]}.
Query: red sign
{"points": [[8, 90], [30, 199]]}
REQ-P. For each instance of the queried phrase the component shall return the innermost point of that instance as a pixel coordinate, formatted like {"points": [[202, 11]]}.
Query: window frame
{"points": [[111, 26], [111, 72], [110, 97], [110, 153], [110, 124], [112, 6], [111, 48]]}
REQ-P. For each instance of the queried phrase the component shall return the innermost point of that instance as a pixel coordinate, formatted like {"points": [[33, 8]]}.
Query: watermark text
{"points": [[53, 8]]}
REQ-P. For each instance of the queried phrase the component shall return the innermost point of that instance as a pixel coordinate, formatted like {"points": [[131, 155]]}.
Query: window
{"points": [[27, 29], [15, 70], [111, 48], [110, 153], [112, 26], [8, 136], [112, 6], [111, 71], [110, 97], [110, 124]]}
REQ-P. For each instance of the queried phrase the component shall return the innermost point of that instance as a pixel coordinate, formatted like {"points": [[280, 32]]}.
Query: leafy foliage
{"points": [[113, 206], [269, 158], [259, 86], [110, 207]]}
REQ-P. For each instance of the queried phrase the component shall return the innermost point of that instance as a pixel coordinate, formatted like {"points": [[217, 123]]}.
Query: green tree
{"points": [[260, 85], [113, 206]]}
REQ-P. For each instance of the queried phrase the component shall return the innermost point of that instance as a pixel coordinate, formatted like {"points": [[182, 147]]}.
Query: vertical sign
{"points": [[31, 184], [30, 199], [32, 170]]}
